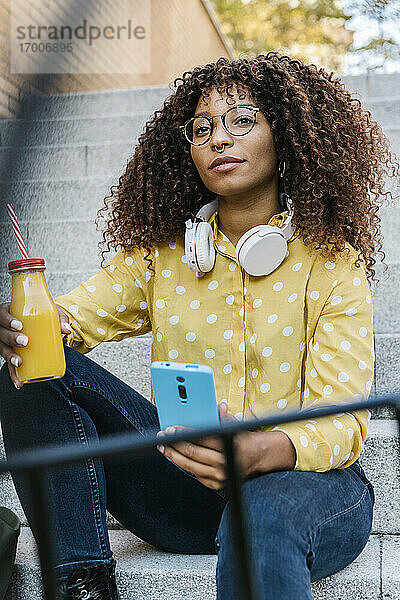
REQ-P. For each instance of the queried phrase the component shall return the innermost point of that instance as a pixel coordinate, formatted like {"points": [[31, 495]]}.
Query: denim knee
{"points": [[283, 519]]}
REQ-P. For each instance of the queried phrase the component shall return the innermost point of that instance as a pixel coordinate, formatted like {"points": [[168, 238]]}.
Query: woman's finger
{"points": [[201, 454], [212, 442], [210, 454], [15, 379], [214, 485], [198, 469], [11, 358]]}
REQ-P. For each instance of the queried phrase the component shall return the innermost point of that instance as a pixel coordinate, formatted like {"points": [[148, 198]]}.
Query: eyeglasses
{"points": [[238, 120]]}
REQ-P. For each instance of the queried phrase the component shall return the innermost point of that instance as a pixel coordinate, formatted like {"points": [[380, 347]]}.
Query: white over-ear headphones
{"points": [[259, 251]]}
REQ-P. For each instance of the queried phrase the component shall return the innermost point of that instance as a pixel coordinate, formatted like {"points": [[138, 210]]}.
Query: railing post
{"points": [[38, 487], [239, 523]]}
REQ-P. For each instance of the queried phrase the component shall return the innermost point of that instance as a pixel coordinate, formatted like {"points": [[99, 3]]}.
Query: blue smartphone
{"points": [[184, 394]]}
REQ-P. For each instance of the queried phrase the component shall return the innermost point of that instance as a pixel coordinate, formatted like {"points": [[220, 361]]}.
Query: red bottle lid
{"points": [[26, 263]]}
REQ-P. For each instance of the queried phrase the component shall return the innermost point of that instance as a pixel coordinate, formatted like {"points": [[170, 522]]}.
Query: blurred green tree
{"points": [[311, 30]]}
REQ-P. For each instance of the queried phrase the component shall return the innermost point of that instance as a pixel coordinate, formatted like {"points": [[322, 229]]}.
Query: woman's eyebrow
{"points": [[206, 112]]}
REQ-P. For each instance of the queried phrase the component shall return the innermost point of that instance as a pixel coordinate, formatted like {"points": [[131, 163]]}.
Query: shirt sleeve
{"points": [[110, 305], [339, 368]]}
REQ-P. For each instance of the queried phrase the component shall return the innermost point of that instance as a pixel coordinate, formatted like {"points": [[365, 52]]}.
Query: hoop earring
{"points": [[284, 198]]}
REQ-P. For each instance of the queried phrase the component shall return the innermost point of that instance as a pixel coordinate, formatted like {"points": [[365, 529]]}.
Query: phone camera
{"points": [[167, 364], [180, 378], [182, 391]]}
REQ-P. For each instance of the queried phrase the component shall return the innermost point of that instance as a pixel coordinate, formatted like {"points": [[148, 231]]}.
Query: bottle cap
{"points": [[26, 263]]}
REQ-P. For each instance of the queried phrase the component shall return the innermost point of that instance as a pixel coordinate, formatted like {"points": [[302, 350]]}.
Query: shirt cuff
{"points": [[310, 456]]}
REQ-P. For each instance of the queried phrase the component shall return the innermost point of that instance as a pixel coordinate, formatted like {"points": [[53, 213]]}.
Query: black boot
{"points": [[92, 583]]}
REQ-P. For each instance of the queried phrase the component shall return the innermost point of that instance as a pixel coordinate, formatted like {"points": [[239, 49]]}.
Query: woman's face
{"points": [[256, 148]]}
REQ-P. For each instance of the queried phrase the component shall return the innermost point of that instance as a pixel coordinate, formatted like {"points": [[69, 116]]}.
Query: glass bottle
{"points": [[31, 303]]}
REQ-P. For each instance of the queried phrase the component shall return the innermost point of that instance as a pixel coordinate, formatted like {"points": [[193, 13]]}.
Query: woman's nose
{"points": [[219, 133]]}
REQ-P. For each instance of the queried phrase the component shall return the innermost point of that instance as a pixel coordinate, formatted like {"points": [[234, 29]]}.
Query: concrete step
{"points": [[379, 460], [74, 130], [77, 198], [373, 85], [147, 573], [387, 348], [99, 103], [386, 111], [63, 162]]}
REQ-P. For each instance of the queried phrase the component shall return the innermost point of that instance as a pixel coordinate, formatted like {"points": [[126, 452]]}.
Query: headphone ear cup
{"points": [[261, 250], [205, 246]]}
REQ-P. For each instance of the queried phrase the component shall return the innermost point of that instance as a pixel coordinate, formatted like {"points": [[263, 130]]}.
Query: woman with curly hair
{"points": [[268, 286]]}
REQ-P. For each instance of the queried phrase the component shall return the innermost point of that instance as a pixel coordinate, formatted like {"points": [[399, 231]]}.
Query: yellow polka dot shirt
{"points": [[301, 336]]}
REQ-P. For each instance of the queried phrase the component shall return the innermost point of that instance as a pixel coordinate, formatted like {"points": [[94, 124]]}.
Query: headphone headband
{"points": [[259, 251], [209, 209]]}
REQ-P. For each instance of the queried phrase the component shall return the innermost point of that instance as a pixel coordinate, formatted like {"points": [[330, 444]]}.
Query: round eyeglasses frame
{"points": [[223, 117]]}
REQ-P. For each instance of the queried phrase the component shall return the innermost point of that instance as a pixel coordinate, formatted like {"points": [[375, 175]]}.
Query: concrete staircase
{"points": [[68, 158]]}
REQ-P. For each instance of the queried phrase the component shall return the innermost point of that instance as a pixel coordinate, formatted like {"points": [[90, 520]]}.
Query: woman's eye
{"points": [[246, 120], [199, 131]]}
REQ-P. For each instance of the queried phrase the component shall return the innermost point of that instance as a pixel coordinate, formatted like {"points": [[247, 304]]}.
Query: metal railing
{"points": [[36, 464]]}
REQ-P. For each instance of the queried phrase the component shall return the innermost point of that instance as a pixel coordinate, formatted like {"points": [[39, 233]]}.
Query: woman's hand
{"points": [[12, 336], [205, 457]]}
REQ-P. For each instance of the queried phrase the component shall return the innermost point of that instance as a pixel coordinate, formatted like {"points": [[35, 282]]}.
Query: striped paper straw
{"points": [[17, 231]]}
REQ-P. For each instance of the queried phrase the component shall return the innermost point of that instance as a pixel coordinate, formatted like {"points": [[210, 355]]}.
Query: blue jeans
{"points": [[301, 525]]}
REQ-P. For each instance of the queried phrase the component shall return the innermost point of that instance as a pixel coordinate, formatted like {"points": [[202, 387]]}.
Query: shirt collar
{"points": [[276, 220]]}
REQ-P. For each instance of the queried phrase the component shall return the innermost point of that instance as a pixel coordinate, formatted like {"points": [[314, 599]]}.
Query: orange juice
{"points": [[31, 303]]}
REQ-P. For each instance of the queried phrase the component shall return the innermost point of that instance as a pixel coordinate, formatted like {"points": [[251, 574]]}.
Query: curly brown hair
{"points": [[336, 156]]}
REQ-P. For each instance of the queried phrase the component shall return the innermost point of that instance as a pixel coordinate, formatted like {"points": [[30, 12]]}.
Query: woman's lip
{"points": [[227, 166]]}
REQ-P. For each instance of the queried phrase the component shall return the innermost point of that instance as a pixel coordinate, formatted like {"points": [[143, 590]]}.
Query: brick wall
{"points": [[184, 33]]}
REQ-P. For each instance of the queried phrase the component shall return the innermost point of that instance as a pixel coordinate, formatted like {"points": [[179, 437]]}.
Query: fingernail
{"points": [[22, 339], [16, 324], [15, 361], [161, 449], [16, 385], [68, 327], [170, 430]]}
